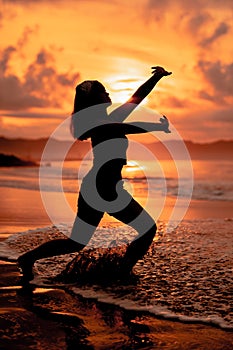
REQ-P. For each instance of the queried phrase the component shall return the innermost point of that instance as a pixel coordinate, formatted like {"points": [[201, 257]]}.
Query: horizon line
{"points": [[66, 140]]}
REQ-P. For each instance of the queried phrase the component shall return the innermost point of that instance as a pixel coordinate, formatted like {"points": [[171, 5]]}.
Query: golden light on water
{"points": [[133, 170]]}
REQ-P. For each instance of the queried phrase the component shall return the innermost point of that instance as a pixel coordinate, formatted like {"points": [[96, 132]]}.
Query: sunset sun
{"points": [[122, 87]]}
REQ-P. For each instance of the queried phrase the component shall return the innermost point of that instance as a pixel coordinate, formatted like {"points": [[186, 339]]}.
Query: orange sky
{"points": [[47, 47]]}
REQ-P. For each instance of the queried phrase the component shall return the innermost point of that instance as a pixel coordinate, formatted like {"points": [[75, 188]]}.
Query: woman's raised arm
{"points": [[122, 112]]}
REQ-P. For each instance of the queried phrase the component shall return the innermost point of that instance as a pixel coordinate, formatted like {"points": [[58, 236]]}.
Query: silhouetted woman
{"points": [[102, 188]]}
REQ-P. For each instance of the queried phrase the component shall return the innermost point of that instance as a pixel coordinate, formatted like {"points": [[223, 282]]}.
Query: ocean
{"points": [[212, 178], [187, 273]]}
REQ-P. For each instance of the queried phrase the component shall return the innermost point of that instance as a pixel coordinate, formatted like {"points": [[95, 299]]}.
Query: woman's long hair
{"points": [[86, 96]]}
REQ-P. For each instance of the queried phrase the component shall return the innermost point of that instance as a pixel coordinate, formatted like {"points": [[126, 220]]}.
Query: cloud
{"points": [[1, 18], [206, 96], [222, 115], [205, 125], [41, 85], [25, 2], [197, 21], [25, 37], [174, 102], [5, 58], [219, 78], [47, 2], [222, 29], [157, 101], [190, 5], [33, 115], [14, 96], [202, 23], [28, 128]]}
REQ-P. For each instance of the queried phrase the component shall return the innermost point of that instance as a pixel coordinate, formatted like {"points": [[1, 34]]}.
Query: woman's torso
{"points": [[109, 157]]}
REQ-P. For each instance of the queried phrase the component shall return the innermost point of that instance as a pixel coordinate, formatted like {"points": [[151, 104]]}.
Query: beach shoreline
{"points": [[23, 209], [52, 318]]}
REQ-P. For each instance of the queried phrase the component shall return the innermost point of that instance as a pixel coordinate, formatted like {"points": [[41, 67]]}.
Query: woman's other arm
{"points": [[112, 128], [143, 127]]}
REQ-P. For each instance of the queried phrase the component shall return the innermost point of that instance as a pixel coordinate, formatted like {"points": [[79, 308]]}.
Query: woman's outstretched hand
{"points": [[165, 124], [160, 71]]}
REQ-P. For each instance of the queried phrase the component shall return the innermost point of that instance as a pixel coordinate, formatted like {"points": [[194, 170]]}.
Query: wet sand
{"points": [[55, 318], [47, 318]]}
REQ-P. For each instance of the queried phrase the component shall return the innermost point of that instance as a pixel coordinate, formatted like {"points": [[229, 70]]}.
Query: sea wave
{"points": [[217, 187], [156, 310], [186, 275], [201, 191]]}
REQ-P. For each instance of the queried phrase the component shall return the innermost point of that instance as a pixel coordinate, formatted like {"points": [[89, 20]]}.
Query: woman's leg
{"points": [[84, 226], [138, 218]]}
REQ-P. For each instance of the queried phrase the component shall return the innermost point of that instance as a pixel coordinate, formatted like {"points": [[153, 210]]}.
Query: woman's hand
{"points": [[165, 124], [160, 71]]}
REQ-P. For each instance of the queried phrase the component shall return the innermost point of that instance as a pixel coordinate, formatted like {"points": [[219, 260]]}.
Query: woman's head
{"points": [[90, 93]]}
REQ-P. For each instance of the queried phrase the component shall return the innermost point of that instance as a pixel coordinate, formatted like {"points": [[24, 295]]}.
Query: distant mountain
{"points": [[215, 150], [10, 160], [33, 149]]}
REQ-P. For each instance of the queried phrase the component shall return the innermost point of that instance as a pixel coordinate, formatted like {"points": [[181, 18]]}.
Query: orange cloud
{"points": [[40, 86], [117, 42], [219, 78]]}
